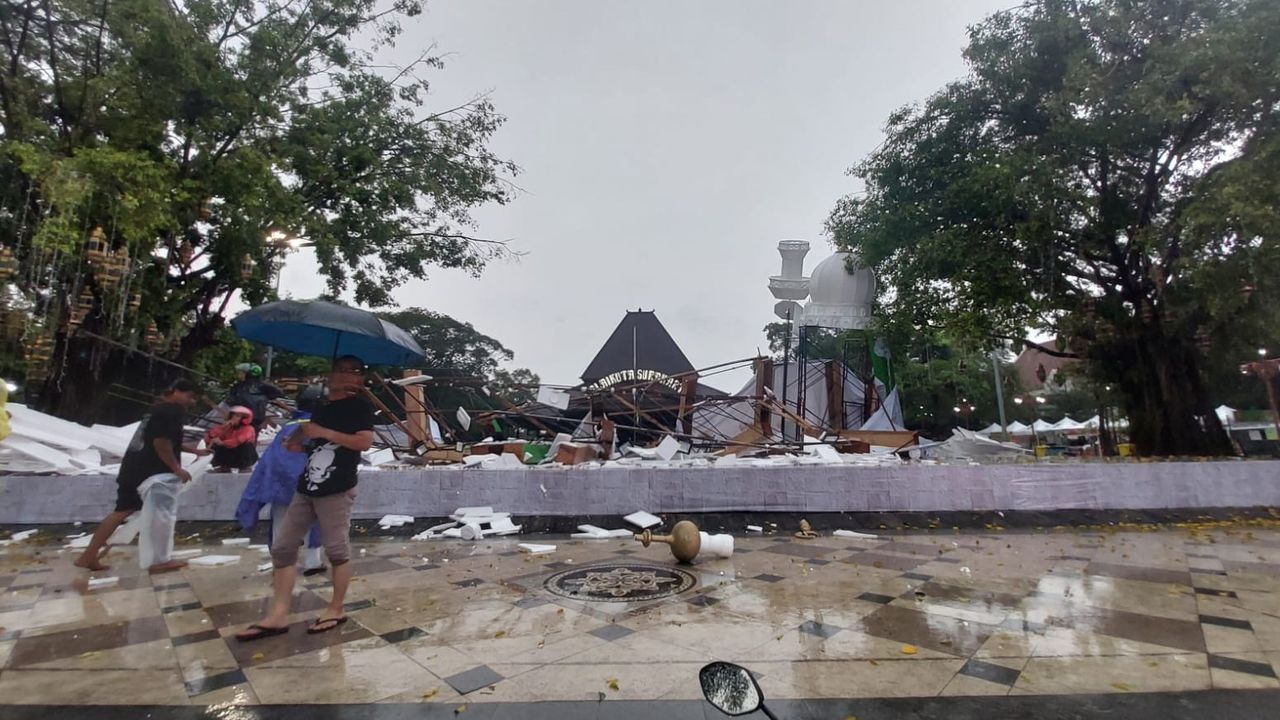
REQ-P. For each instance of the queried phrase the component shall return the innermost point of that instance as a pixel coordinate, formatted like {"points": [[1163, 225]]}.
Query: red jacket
{"points": [[231, 436]]}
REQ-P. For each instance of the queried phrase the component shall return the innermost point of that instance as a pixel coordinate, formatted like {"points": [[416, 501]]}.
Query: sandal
{"points": [[315, 628], [258, 632]]}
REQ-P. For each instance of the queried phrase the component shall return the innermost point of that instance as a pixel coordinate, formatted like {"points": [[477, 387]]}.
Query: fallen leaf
{"points": [[430, 693], [612, 683], [500, 634], [460, 709], [258, 656], [87, 655], [560, 611], [873, 662], [909, 650], [1121, 687]]}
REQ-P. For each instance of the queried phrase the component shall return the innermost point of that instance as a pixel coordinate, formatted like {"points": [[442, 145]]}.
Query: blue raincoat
{"points": [[275, 477]]}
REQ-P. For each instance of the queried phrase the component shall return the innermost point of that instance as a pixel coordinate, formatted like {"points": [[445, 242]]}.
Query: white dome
{"points": [[839, 298]]}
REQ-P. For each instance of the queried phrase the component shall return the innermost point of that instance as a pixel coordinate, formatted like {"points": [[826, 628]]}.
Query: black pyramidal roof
{"points": [[653, 349]]}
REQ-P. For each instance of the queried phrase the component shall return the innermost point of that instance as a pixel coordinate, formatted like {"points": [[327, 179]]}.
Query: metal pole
{"points": [[995, 368], [786, 371], [271, 350]]}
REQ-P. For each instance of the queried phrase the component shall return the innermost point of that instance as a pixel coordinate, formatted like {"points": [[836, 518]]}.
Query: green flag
{"points": [[881, 366]]}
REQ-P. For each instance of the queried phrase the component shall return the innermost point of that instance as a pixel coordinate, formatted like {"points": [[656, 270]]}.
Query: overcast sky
{"points": [[666, 147]]}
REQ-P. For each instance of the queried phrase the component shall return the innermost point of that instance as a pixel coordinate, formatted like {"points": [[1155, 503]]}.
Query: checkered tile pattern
{"points": [[924, 614]]}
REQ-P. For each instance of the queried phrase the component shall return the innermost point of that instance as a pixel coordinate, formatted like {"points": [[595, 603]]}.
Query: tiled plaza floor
{"points": [[1066, 612]]}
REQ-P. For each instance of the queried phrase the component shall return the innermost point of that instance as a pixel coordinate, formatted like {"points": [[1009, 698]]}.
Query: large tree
{"points": [[158, 155], [1108, 170], [455, 348]]}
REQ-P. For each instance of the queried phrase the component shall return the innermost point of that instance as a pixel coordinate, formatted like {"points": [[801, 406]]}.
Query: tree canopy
{"points": [[158, 157], [1107, 171]]}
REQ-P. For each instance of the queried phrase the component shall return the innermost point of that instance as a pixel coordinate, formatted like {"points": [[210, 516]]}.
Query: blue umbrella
{"points": [[316, 327]]}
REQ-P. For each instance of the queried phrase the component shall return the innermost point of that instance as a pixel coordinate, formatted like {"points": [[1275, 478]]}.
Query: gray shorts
{"points": [[331, 512]]}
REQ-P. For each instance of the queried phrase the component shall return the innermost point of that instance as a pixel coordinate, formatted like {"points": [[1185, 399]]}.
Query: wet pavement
{"points": [[1078, 618]]}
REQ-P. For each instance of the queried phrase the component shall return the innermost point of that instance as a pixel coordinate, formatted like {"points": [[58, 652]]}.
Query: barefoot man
{"points": [[154, 450], [338, 432]]}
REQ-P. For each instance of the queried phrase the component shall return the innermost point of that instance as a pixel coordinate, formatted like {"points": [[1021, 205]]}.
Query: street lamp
{"points": [[284, 243]]}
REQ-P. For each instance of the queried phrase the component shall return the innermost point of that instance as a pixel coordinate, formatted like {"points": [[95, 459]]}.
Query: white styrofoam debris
{"points": [[553, 397], [22, 535], [853, 534], [755, 529], [54, 460], [380, 457], [442, 527], [464, 419], [390, 521], [668, 448], [95, 583], [471, 512], [452, 533], [826, 453], [235, 541], [79, 542], [263, 567], [536, 549], [185, 554], [643, 520], [214, 560], [259, 548], [470, 531], [502, 526]]}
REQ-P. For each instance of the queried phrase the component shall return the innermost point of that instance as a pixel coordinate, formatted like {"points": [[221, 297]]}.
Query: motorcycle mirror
{"points": [[731, 688]]}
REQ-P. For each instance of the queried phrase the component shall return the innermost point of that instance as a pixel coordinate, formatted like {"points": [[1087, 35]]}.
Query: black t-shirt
{"points": [[331, 468], [164, 420]]}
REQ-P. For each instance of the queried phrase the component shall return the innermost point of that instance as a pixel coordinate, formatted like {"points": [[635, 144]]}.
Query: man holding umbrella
{"points": [[339, 431]]}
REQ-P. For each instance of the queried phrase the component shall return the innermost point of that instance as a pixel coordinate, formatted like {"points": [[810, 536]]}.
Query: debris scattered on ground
{"points": [[96, 583], [755, 529], [643, 520], [213, 560], [536, 549], [235, 541], [854, 534], [591, 532], [394, 521], [806, 531]]}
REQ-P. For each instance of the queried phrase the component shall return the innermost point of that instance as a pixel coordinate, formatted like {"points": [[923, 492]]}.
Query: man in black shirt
{"points": [[336, 435], [154, 450]]}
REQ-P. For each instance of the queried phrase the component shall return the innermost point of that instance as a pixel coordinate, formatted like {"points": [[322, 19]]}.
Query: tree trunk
{"points": [[1170, 413]]}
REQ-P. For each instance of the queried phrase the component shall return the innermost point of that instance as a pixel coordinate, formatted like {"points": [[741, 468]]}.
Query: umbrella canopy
{"points": [[990, 429], [1017, 428], [316, 327], [1042, 425]]}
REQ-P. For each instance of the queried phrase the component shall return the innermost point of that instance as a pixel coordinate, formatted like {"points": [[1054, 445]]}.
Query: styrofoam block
{"points": [[470, 531], [395, 521], [755, 529], [96, 583], [235, 541], [536, 549], [643, 520], [185, 554], [452, 533], [214, 560], [466, 511], [853, 534], [263, 567], [668, 448], [502, 525], [56, 460]]}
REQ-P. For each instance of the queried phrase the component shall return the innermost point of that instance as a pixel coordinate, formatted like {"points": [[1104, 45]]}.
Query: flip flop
{"points": [[337, 623], [261, 632]]}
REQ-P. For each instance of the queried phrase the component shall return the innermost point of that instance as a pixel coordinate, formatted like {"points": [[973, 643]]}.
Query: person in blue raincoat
{"points": [[276, 476]]}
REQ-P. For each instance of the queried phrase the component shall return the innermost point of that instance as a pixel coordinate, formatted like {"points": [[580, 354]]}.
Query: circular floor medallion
{"points": [[620, 582]]}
